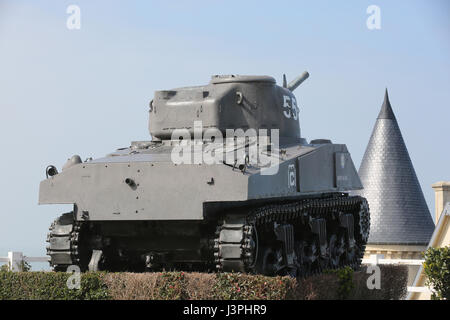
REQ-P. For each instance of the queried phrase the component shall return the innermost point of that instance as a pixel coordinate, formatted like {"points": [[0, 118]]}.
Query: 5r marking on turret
{"points": [[291, 107]]}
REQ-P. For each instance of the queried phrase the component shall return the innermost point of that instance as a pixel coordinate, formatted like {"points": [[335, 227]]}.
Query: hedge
{"points": [[50, 286], [343, 284]]}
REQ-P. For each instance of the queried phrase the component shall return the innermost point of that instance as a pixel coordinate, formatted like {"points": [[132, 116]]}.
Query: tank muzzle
{"points": [[51, 171]]}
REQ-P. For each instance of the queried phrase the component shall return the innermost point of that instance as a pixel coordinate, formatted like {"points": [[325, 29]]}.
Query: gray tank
{"points": [[226, 183]]}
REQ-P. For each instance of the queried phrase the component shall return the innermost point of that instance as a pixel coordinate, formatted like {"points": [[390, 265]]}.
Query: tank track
{"points": [[317, 233], [302, 238], [63, 242]]}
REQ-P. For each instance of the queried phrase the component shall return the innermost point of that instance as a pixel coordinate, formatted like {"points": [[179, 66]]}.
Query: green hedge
{"points": [[342, 284], [50, 286]]}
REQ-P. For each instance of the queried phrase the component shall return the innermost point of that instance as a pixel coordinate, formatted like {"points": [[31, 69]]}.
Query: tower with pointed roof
{"points": [[401, 224]]}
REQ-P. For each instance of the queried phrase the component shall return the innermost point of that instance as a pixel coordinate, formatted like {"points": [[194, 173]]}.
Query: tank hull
{"points": [[163, 190], [133, 208], [259, 199]]}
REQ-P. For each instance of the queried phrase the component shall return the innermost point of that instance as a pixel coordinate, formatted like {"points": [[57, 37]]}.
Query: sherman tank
{"points": [[226, 182]]}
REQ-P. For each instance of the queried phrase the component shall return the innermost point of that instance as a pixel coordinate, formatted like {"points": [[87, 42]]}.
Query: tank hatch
{"points": [[238, 78]]}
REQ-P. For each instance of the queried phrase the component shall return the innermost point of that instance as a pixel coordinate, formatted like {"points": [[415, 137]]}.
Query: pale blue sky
{"points": [[86, 91]]}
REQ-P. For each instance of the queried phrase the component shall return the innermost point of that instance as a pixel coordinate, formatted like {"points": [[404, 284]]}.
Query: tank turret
{"points": [[228, 102]]}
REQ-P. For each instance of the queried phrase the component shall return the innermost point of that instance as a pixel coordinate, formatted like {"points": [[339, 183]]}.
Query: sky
{"points": [[86, 91]]}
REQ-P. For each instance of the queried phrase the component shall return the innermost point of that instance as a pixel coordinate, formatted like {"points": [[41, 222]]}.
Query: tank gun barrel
{"points": [[297, 81]]}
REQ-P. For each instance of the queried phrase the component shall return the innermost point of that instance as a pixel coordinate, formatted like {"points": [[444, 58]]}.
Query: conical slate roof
{"points": [[398, 211]]}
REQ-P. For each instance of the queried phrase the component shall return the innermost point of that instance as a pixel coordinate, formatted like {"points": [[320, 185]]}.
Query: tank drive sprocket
{"points": [[63, 240]]}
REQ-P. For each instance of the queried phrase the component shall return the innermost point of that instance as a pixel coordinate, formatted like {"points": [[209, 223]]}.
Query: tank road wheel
{"points": [[336, 250], [276, 250], [306, 256], [266, 261], [322, 259], [347, 222]]}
